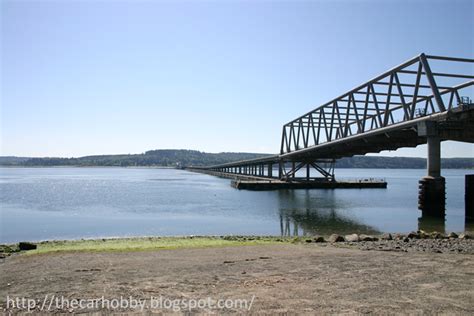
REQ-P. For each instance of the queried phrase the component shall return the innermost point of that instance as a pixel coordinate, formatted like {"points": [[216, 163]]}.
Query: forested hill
{"points": [[163, 157], [183, 158]]}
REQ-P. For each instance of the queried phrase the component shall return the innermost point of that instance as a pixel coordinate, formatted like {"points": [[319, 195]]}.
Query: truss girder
{"points": [[401, 94]]}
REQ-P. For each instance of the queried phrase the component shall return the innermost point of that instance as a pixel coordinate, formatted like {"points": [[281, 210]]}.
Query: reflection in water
{"points": [[302, 213], [431, 224]]}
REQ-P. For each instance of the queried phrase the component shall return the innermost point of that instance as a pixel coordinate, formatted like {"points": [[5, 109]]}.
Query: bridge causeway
{"points": [[425, 100]]}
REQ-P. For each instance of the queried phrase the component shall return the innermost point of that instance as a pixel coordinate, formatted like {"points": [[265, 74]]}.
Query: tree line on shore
{"points": [[184, 158]]}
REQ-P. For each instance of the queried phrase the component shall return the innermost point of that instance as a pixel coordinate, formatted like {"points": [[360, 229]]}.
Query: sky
{"points": [[107, 77]]}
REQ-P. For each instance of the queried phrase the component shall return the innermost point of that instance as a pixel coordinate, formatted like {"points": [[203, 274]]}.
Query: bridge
{"points": [[425, 100]]}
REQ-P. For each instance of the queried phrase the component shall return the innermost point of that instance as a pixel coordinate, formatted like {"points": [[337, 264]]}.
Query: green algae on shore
{"points": [[152, 243]]}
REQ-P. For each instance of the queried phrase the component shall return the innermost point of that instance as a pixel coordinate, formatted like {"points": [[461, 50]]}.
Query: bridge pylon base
{"points": [[469, 198], [432, 196]]}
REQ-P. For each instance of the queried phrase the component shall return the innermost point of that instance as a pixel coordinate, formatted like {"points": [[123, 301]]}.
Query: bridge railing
{"points": [[401, 94]]}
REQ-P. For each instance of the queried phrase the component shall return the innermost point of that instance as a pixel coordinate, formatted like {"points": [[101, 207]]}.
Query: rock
{"points": [[398, 237], [452, 235], [319, 239], [413, 235], [336, 238], [406, 239], [24, 245], [424, 235], [465, 236], [352, 237], [386, 236], [436, 235], [308, 240], [367, 238]]}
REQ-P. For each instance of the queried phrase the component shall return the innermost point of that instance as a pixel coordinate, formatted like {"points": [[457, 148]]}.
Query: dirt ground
{"points": [[297, 278]]}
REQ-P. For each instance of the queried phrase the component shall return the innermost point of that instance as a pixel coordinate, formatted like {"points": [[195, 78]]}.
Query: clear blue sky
{"points": [[104, 77]]}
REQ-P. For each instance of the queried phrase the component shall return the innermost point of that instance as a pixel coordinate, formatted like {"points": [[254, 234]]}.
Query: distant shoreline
{"points": [[171, 158], [78, 166], [175, 168]]}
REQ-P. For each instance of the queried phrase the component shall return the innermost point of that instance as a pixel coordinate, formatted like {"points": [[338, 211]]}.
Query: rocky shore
{"points": [[418, 241], [414, 241]]}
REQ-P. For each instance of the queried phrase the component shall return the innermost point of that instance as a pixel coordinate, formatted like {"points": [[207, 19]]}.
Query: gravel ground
{"points": [[309, 278]]}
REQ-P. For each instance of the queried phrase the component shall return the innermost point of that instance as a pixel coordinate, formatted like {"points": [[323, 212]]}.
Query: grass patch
{"points": [[151, 243]]}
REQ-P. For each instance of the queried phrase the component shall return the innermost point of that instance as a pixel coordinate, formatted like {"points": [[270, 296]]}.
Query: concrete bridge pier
{"points": [[430, 223], [469, 198], [432, 188]]}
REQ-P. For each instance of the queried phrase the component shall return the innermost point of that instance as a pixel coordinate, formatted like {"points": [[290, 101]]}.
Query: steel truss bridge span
{"points": [[426, 99]]}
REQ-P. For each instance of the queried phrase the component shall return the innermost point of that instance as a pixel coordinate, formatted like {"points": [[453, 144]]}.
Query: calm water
{"points": [[69, 203]]}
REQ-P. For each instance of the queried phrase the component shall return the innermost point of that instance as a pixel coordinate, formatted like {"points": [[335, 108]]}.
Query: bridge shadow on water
{"points": [[303, 212]]}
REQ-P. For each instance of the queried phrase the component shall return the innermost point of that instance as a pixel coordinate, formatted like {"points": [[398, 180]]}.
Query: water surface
{"points": [[71, 203]]}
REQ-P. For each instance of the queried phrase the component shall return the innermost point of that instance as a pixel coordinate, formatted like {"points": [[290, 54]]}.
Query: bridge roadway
{"points": [[405, 106]]}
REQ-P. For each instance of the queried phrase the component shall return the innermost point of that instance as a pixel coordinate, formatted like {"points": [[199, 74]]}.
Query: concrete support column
{"points": [[293, 168], [308, 173], [270, 170], [469, 198], [432, 196], [432, 188], [434, 157]]}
